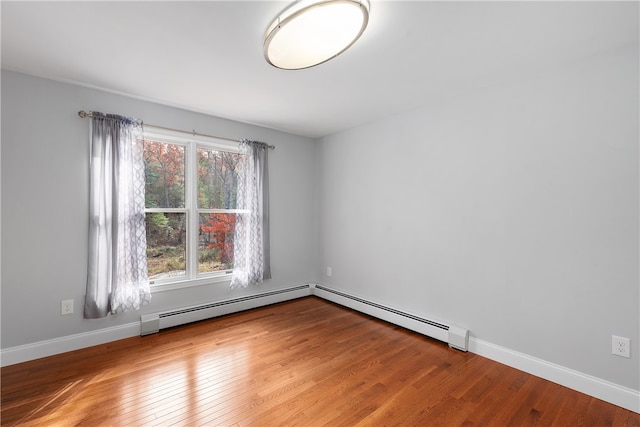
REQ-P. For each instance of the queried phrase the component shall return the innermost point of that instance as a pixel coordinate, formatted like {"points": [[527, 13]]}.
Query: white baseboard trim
{"points": [[601, 389], [604, 390], [609, 392], [37, 350], [24, 353]]}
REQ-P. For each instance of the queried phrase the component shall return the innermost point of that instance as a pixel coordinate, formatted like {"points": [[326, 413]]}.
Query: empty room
{"points": [[320, 213]]}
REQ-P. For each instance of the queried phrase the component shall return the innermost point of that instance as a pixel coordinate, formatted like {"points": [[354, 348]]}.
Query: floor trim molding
{"points": [[605, 390], [50, 347], [609, 392], [37, 350]]}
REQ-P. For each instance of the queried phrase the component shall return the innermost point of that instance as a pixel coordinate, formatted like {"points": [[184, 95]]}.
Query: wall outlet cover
{"points": [[66, 307], [621, 346]]}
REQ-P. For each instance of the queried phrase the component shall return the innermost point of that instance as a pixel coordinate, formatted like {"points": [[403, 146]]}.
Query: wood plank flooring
{"points": [[306, 362]]}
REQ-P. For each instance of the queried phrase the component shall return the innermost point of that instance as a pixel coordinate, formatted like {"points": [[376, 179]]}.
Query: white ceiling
{"points": [[207, 56]]}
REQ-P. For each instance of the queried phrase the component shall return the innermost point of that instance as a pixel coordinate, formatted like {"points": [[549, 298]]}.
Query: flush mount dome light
{"points": [[310, 32]]}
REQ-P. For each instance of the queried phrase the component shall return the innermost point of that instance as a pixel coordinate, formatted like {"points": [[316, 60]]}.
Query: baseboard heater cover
{"points": [[154, 322], [456, 336]]}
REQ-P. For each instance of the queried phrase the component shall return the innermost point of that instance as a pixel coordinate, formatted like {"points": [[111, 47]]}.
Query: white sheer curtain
{"points": [[251, 261], [117, 266]]}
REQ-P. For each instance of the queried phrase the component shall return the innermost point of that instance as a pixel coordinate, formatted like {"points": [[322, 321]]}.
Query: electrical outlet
{"points": [[329, 271], [66, 307], [620, 346]]}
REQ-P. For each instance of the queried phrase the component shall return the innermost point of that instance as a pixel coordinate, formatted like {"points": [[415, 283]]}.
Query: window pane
{"points": [[164, 175], [215, 248], [166, 237], [217, 179]]}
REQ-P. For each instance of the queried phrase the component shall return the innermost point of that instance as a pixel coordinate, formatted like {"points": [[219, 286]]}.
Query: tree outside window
{"points": [[189, 183]]}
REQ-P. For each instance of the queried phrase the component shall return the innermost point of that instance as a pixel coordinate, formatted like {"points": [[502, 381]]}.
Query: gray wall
{"points": [[512, 211], [45, 205]]}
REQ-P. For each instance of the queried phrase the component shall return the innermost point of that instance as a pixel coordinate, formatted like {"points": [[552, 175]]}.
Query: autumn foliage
{"points": [[219, 229], [164, 175], [214, 187]]}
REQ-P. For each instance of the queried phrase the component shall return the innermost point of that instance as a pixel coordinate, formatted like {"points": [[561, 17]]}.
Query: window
{"points": [[190, 208]]}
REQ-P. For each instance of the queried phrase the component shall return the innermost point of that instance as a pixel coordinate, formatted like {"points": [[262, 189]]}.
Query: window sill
{"points": [[188, 283]]}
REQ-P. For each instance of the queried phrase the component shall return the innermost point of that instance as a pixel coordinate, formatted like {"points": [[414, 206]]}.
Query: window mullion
{"points": [[166, 210], [209, 211], [191, 204]]}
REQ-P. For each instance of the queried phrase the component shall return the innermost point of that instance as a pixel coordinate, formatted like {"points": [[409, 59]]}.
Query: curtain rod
{"points": [[89, 114]]}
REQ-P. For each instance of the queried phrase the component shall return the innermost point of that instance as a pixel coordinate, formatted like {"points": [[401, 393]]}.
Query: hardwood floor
{"points": [[306, 362]]}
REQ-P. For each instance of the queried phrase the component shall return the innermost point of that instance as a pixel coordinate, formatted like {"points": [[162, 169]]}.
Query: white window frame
{"points": [[191, 210]]}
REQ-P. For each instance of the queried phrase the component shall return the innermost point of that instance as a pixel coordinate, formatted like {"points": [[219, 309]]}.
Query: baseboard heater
{"points": [[154, 322], [456, 336]]}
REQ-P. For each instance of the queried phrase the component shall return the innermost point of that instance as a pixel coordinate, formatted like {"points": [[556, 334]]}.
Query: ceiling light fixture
{"points": [[310, 32]]}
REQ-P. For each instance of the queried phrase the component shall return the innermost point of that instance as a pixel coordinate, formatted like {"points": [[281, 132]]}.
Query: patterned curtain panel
{"points": [[117, 267], [251, 241]]}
